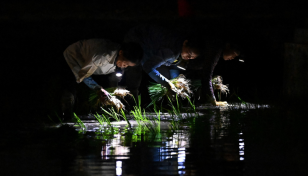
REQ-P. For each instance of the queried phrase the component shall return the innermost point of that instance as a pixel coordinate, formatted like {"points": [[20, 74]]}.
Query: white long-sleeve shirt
{"points": [[93, 56]]}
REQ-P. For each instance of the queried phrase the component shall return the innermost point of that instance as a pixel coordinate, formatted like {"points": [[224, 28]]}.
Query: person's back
{"points": [[215, 50], [94, 62], [161, 48], [156, 41], [87, 57]]}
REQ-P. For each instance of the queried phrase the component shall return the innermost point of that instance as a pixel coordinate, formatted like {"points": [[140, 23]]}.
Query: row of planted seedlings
{"points": [[147, 127]]}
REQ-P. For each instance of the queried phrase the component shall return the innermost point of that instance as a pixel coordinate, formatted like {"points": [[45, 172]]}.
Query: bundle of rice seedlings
{"points": [[120, 92], [217, 84], [113, 100], [183, 86], [157, 91]]}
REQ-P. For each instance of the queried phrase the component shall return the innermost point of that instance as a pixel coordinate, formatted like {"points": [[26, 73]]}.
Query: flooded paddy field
{"points": [[212, 141]]}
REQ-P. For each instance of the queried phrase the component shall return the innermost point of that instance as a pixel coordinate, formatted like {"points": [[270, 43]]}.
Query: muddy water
{"points": [[252, 142], [206, 144]]}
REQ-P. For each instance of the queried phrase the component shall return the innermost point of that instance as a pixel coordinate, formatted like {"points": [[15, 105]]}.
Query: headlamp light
{"points": [[241, 58], [118, 72], [182, 65]]}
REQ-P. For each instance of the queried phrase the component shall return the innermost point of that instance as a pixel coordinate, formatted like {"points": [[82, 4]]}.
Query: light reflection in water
{"points": [[171, 155], [181, 161], [220, 124], [241, 147], [119, 168], [113, 148]]}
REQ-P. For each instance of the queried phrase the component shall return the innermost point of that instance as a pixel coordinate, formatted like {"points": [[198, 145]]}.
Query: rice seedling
{"points": [[157, 92], [80, 123], [158, 117], [108, 131], [176, 115], [144, 122], [183, 86], [125, 118], [50, 118], [235, 95], [175, 109], [113, 100], [102, 119], [192, 105], [217, 85], [192, 117], [128, 139], [112, 113]]}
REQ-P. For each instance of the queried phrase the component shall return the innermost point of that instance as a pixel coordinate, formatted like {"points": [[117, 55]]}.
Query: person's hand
{"points": [[106, 93], [213, 102], [172, 87], [221, 103], [103, 95]]}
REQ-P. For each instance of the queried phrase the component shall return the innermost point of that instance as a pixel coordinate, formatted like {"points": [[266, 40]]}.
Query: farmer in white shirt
{"points": [[94, 62]]}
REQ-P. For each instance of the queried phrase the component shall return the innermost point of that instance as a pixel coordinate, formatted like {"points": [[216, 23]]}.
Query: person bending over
{"points": [[94, 62], [214, 51], [161, 48]]}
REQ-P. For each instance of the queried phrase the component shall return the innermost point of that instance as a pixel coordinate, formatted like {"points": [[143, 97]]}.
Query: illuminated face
{"points": [[187, 52], [122, 62], [229, 54], [125, 63]]}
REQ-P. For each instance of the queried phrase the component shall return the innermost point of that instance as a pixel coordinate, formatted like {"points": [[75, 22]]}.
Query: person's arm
{"points": [[89, 81], [211, 59], [154, 74], [154, 62]]}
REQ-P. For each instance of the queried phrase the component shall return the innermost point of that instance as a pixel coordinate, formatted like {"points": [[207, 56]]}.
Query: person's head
{"points": [[130, 54], [191, 48], [230, 51]]}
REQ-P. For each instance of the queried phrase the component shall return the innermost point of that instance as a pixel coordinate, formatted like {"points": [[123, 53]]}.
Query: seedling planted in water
{"points": [[80, 123]]}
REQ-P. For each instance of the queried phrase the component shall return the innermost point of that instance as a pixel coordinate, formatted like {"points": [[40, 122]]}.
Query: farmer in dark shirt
{"points": [[214, 50], [160, 49]]}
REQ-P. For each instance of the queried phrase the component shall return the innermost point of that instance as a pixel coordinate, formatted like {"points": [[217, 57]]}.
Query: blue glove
{"points": [[91, 83], [159, 78], [154, 74]]}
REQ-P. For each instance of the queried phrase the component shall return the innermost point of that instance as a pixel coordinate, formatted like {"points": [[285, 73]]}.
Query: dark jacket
{"points": [[206, 65], [160, 46]]}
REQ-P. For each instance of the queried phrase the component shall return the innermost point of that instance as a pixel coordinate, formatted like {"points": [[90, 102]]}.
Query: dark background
{"points": [[35, 34]]}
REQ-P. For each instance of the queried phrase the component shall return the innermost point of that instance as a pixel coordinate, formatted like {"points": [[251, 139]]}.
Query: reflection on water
{"points": [[197, 148], [114, 150], [241, 146]]}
